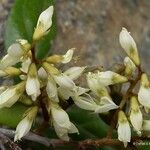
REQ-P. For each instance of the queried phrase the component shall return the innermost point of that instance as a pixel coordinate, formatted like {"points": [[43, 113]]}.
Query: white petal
{"points": [[136, 120], [95, 86], [42, 73], [130, 66], [60, 117], [64, 81], [129, 45], [8, 61], [143, 96], [79, 90], [108, 78], [23, 128], [64, 93], [25, 124], [73, 129], [9, 96], [45, 18], [126, 40], [85, 102], [105, 105], [15, 50], [68, 56], [52, 89], [33, 87], [25, 65], [124, 132], [74, 72], [61, 122]]}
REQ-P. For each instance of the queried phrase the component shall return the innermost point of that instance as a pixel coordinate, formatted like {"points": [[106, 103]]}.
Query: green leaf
{"points": [[22, 21], [11, 116]]}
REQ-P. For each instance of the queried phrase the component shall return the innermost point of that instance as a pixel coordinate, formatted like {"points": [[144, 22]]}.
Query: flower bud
{"points": [[44, 23], [136, 117], [61, 122], [11, 95], [129, 66], [144, 91], [32, 83], [124, 130], [10, 71], [25, 124], [50, 69], [129, 45]]}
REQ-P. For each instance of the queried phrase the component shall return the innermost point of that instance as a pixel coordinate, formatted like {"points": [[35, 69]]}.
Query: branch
{"points": [[5, 140], [35, 138]]}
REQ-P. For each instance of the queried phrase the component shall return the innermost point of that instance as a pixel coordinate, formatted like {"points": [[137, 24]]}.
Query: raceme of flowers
{"points": [[43, 80]]}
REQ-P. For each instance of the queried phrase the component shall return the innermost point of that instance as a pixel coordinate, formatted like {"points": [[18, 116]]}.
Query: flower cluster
{"points": [[46, 86], [133, 115]]}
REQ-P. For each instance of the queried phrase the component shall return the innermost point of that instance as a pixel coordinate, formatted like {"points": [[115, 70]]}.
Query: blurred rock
{"points": [[93, 26]]}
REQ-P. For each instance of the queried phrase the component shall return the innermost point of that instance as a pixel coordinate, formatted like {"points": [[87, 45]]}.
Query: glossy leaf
{"points": [[12, 116]]}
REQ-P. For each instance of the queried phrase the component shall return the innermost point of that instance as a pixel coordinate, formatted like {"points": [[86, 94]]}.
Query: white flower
{"points": [[124, 130], [74, 72], [44, 23], [129, 45], [136, 117], [106, 104], [129, 66], [146, 125], [11, 95], [25, 65], [51, 89], [25, 124], [32, 83], [61, 122], [144, 91], [68, 56]]}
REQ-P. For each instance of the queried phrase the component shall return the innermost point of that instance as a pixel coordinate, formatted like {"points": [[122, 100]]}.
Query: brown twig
{"points": [[6, 141]]}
